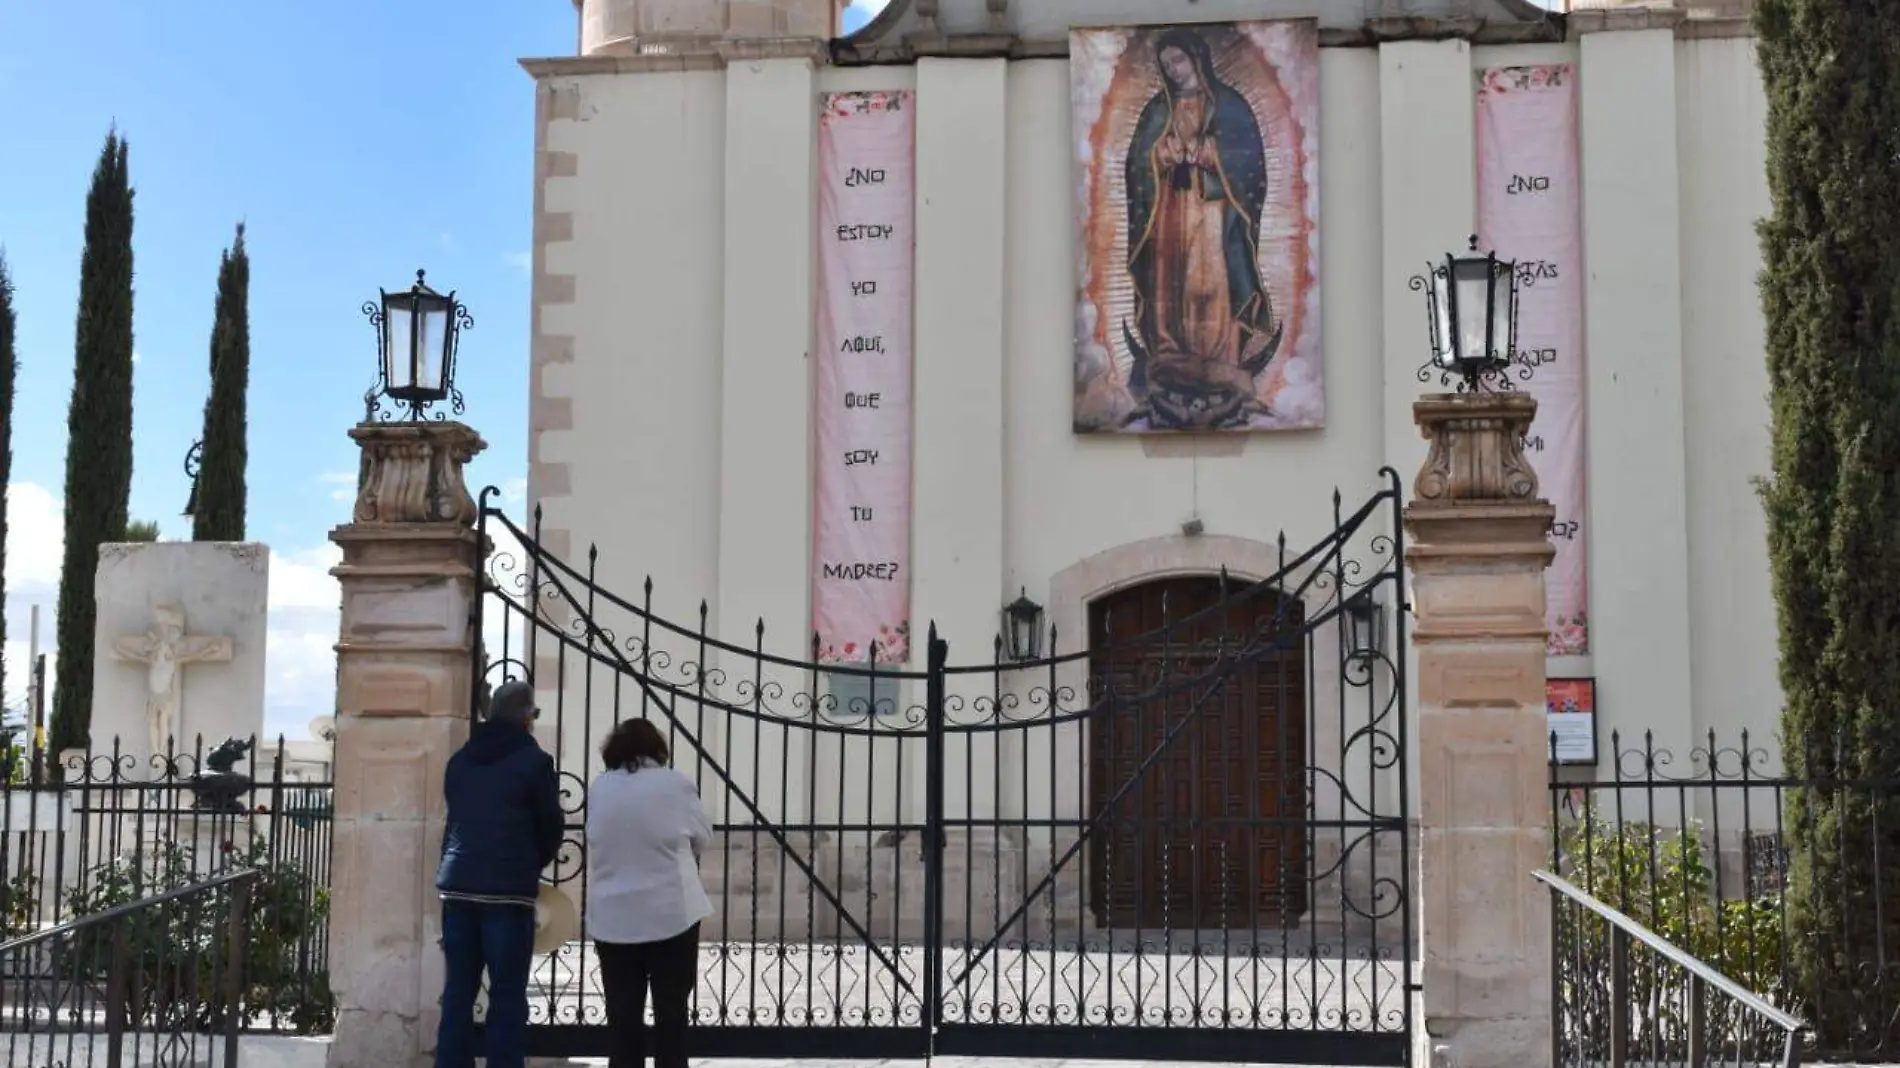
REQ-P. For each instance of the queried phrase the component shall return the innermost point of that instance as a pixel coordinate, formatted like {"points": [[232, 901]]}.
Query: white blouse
{"points": [[643, 828]]}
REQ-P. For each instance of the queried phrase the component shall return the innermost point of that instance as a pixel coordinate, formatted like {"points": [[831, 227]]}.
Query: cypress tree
{"points": [[218, 508], [99, 433], [9, 367], [1830, 290]]}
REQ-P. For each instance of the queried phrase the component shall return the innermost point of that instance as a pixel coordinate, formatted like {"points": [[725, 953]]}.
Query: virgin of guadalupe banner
{"points": [[861, 393], [1197, 227], [1530, 210]]}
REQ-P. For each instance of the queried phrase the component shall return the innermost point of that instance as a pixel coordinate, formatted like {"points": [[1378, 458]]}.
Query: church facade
{"points": [[1049, 421], [991, 429]]}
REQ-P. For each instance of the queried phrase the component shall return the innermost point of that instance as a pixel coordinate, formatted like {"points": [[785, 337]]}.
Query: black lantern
{"points": [[1471, 308], [1022, 622], [416, 334], [1365, 617]]}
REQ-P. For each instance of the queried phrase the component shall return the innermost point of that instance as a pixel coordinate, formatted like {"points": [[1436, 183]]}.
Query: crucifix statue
{"points": [[166, 648]]}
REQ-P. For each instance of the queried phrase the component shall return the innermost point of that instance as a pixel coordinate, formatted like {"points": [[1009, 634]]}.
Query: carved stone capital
{"points": [[412, 473], [1477, 448]]}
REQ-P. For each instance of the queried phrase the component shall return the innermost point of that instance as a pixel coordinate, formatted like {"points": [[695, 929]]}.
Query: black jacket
{"points": [[504, 814]]}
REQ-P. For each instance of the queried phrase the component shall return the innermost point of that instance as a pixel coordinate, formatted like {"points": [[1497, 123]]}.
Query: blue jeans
{"points": [[498, 939]]}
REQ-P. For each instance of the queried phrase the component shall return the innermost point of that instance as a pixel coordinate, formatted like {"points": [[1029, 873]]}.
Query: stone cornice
{"points": [[857, 52], [1715, 19], [1729, 19], [1613, 19], [685, 54], [1714, 26]]}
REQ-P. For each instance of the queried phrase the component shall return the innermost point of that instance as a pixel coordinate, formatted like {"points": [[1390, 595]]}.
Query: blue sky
{"points": [[358, 141]]}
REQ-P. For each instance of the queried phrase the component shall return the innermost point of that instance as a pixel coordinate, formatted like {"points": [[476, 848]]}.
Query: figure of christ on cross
{"points": [[167, 649]]}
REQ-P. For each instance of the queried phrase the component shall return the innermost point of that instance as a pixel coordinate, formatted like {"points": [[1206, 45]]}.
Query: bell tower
{"points": [[631, 27]]}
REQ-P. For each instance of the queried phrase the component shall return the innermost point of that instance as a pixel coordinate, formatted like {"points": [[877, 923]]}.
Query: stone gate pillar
{"points": [[410, 561], [1479, 541]]}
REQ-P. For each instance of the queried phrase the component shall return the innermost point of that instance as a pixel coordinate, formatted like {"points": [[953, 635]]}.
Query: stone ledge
{"points": [[1714, 27], [699, 53], [1623, 19]]}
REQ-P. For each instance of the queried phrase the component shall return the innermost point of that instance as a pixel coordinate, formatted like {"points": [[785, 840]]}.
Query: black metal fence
{"points": [[159, 979], [1786, 885], [1180, 833], [85, 833]]}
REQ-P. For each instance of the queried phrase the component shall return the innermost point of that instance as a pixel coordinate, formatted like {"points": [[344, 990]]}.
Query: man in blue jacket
{"points": [[504, 826]]}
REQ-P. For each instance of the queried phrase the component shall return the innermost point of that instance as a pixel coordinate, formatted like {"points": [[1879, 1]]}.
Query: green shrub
{"points": [[1659, 877], [178, 948], [19, 904]]}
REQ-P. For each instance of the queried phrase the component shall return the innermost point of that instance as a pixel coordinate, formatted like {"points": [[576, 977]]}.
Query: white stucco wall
{"points": [[687, 317]]}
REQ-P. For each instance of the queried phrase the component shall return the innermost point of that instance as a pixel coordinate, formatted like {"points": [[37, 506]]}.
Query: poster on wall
{"points": [[861, 509], [1197, 209], [1570, 710], [1530, 210]]}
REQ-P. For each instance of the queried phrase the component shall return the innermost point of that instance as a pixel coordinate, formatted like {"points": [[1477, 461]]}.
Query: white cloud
{"points": [[514, 491], [36, 540], [343, 484], [521, 261], [135, 355], [19, 662]]}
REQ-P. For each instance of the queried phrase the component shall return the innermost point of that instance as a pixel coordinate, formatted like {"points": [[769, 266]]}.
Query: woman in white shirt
{"points": [[645, 830]]}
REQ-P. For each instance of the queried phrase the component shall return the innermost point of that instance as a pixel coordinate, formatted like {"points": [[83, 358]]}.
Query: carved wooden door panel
{"points": [[1197, 753]]}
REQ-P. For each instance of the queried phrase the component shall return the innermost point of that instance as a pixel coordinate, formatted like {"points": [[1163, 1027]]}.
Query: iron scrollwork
{"points": [[194, 459]]}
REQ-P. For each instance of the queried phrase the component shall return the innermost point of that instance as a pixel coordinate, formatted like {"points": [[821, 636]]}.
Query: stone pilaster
{"points": [[1479, 543], [404, 684]]}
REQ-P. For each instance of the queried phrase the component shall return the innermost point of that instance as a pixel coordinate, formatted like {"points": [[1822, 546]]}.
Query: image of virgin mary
{"points": [[1197, 182]]}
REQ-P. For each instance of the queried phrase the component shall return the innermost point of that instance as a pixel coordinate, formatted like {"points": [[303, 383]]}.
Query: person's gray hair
{"points": [[512, 702]]}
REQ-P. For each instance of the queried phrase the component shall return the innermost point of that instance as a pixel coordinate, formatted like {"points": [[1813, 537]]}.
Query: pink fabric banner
{"points": [[1530, 210], [861, 513]]}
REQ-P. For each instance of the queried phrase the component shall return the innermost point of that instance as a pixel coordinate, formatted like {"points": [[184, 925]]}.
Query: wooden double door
{"points": [[1197, 758]]}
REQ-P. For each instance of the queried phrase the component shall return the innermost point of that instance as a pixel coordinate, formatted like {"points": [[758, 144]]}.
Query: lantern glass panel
{"points": [[432, 331], [398, 370], [1504, 312], [1471, 296], [1442, 350]]}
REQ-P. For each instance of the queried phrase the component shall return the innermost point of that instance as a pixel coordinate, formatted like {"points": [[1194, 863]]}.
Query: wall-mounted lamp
{"points": [[1365, 617], [1022, 624]]}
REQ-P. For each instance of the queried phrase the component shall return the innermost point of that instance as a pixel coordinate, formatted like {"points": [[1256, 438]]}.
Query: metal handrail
{"points": [[125, 998], [1702, 975], [117, 911]]}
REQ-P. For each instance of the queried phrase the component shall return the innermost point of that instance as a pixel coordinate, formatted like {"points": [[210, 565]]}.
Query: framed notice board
{"points": [[1570, 711]]}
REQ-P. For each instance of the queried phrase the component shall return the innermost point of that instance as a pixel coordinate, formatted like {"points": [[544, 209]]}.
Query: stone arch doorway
{"points": [[1199, 761]]}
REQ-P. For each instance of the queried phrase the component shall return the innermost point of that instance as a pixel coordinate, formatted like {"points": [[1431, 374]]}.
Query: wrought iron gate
{"points": [[1183, 836]]}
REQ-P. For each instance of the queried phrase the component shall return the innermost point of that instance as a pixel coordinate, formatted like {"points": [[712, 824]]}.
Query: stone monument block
{"points": [[179, 645]]}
